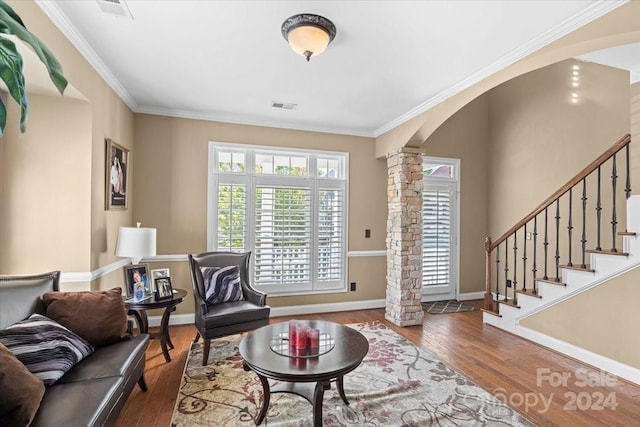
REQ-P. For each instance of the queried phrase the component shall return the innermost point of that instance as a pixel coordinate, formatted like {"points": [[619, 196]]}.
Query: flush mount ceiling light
{"points": [[308, 34]]}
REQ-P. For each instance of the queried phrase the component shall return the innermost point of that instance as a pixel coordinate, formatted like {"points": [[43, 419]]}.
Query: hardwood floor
{"points": [[504, 365]]}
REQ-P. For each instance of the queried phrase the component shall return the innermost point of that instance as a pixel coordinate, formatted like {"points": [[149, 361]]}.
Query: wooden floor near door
{"points": [[503, 364]]}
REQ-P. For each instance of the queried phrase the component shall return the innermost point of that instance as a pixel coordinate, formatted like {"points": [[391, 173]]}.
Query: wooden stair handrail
{"points": [[619, 145]]}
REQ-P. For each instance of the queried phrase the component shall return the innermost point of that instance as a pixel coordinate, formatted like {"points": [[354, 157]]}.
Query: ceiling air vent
{"points": [[284, 105], [115, 7]]}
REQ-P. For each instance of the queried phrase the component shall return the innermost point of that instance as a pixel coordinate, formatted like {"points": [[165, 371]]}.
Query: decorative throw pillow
{"points": [[222, 284], [99, 317], [45, 347], [20, 391]]}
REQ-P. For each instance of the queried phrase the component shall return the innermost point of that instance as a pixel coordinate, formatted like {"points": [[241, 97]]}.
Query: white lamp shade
{"points": [[136, 243]]}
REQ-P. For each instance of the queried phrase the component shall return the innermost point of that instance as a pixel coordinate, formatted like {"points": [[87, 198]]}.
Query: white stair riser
{"points": [[633, 213], [528, 303]]}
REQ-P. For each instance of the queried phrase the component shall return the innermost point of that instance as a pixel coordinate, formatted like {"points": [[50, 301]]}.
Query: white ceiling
{"points": [[390, 60]]}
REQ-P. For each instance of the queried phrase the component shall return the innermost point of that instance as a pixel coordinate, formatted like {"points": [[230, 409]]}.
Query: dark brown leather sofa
{"points": [[94, 391]]}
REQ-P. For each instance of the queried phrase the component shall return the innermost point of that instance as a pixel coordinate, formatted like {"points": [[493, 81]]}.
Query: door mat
{"points": [[442, 307]]}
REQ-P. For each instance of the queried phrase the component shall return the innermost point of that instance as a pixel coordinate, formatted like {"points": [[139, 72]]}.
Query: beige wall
{"points": [[589, 320], [85, 239], [171, 192], [635, 137], [45, 195], [540, 139], [465, 136]]}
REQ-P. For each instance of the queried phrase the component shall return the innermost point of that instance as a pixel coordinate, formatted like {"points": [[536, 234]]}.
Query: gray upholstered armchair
{"points": [[217, 320]]}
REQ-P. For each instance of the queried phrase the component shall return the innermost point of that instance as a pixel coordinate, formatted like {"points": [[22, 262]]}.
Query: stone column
{"points": [[404, 238]]}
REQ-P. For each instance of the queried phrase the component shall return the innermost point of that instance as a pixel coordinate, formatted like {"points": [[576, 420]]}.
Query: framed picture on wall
{"points": [[117, 169]]}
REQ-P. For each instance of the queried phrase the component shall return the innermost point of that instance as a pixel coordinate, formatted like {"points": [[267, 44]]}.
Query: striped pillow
{"points": [[45, 347], [222, 284]]}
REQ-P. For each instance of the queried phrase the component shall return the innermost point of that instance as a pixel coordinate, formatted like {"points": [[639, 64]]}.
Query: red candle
{"points": [[314, 340], [293, 327], [302, 336]]}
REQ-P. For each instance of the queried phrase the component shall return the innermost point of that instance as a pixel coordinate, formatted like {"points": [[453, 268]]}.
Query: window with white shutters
{"points": [[286, 206], [436, 236], [439, 228]]}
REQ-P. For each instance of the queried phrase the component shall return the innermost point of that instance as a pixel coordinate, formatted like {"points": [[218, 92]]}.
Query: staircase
{"points": [[521, 281]]}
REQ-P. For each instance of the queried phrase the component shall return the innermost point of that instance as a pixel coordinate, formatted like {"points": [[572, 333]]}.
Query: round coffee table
{"points": [[138, 309], [308, 377]]}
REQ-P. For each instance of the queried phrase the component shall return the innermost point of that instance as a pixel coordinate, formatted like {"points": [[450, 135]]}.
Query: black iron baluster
{"points": [[515, 267], [598, 214], [627, 188], [557, 240], [570, 226], [584, 222], [535, 261], [546, 243], [497, 275], [524, 261], [506, 267], [614, 219]]}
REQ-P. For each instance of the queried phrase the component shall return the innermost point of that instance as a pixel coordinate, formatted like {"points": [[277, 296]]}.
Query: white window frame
{"points": [[251, 180], [432, 293]]}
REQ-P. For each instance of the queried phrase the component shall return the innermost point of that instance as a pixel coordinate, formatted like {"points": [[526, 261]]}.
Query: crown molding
{"points": [[242, 120], [569, 25], [57, 17]]}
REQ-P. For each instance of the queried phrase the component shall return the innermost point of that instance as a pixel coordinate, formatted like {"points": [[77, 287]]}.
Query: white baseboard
{"points": [[470, 296], [176, 319], [619, 369]]}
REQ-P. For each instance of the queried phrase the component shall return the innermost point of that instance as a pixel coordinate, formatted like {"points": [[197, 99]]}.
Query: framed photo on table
{"points": [[117, 171], [137, 282], [156, 274], [163, 288]]}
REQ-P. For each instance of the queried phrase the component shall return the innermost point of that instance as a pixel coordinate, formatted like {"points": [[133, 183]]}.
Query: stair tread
{"points": [[605, 252], [586, 268], [530, 293], [626, 233], [551, 280]]}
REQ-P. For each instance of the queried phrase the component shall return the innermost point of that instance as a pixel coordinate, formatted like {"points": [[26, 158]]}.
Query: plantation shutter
{"points": [[330, 235], [436, 238], [282, 235], [231, 221]]}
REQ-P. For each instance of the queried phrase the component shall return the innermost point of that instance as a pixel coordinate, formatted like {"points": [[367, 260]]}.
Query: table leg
{"points": [[340, 384], [164, 332], [169, 336], [266, 393], [318, 395], [141, 320]]}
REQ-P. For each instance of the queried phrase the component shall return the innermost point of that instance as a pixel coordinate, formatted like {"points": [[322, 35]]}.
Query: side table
{"points": [[138, 309]]}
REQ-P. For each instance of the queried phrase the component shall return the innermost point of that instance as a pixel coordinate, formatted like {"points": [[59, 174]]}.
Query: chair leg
{"points": [[142, 383], [195, 340], [205, 352]]}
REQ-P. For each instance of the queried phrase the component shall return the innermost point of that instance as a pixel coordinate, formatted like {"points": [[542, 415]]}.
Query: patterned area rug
{"points": [[442, 307], [398, 384]]}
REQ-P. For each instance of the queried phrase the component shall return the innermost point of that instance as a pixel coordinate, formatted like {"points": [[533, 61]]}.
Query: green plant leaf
{"points": [[11, 74], [10, 25], [11, 13], [3, 118]]}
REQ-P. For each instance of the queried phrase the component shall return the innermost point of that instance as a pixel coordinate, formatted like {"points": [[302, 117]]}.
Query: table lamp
{"points": [[136, 243]]}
